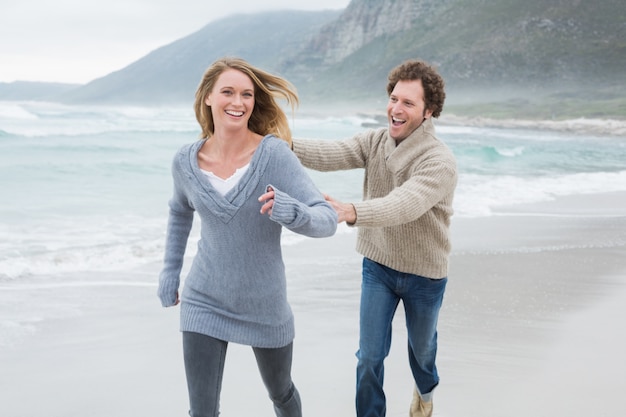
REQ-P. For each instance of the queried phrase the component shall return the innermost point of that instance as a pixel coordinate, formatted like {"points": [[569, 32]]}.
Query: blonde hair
{"points": [[267, 116]]}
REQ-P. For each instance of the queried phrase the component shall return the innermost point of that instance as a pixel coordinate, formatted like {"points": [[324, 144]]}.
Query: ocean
{"points": [[85, 189]]}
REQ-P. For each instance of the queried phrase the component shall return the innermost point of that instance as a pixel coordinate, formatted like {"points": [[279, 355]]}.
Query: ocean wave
{"points": [[104, 257], [15, 110], [605, 244], [76, 284], [510, 152], [62, 244], [583, 126], [51, 119], [94, 247], [477, 195], [489, 153]]}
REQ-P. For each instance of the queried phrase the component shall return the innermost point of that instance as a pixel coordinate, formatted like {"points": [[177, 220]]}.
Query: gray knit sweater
{"points": [[236, 287], [408, 189]]}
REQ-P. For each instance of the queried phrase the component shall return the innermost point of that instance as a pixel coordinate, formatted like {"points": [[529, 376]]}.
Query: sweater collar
{"points": [[226, 206], [399, 156]]}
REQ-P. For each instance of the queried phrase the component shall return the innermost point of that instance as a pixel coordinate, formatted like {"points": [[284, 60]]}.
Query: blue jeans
{"points": [[381, 291], [204, 367]]}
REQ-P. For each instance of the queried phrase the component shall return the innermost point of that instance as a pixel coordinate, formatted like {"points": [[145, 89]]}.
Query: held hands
{"points": [[345, 211]]}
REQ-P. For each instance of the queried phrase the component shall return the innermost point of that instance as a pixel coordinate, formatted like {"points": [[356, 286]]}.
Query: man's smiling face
{"points": [[406, 109]]}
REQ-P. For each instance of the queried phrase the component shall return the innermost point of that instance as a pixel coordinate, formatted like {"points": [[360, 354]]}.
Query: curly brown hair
{"points": [[433, 84], [267, 116]]}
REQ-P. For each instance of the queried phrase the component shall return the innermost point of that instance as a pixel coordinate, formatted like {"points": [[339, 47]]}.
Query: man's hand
{"points": [[345, 211]]}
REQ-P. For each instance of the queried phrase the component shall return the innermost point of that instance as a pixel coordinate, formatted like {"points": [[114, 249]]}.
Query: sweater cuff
{"points": [[285, 210], [356, 216], [167, 291], [364, 213]]}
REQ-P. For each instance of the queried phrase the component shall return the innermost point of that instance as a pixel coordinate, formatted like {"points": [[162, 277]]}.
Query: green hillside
{"points": [[500, 58], [505, 58]]}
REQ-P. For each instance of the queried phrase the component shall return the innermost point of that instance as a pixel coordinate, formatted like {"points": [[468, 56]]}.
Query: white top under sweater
{"points": [[225, 185]]}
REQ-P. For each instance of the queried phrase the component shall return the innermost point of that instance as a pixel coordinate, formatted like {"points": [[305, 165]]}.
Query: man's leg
{"points": [[422, 303], [378, 306]]}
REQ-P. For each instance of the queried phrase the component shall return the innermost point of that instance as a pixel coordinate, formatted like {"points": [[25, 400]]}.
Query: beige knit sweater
{"points": [[404, 217]]}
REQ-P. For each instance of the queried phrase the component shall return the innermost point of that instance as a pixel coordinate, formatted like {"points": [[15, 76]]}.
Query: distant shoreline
{"points": [[376, 117], [602, 127]]}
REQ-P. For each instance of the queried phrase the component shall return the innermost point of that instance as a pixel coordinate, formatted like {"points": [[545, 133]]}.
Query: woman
{"points": [[245, 184]]}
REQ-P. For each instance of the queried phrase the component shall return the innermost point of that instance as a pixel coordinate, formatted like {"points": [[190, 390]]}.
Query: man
{"points": [[403, 229]]}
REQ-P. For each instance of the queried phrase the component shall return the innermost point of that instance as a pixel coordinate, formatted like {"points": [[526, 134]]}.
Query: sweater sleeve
{"points": [[179, 225], [313, 219], [298, 204], [427, 186], [334, 155]]}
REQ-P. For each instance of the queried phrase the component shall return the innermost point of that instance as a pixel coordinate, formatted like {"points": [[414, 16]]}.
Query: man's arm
{"points": [[432, 185], [331, 155]]}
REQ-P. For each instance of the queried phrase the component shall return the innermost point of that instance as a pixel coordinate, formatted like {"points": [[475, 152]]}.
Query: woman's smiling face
{"points": [[231, 99]]}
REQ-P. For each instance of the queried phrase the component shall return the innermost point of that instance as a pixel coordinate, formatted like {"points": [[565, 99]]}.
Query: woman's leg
{"points": [[275, 368], [204, 367]]}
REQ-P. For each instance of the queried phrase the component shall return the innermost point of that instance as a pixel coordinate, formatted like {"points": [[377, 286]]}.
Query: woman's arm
{"points": [[179, 225], [293, 200]]}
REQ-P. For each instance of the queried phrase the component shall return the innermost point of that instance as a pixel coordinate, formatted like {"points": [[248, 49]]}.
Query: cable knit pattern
{"points": [[404, 217], [236, 286]]}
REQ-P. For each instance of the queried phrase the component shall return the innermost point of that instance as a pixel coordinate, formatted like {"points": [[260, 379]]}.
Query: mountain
{"points": [[485, 49], [356, 51], [171, 73], [537, 58]]}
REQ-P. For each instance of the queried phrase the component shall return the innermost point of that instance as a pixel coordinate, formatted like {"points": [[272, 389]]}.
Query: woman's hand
{"points": [[176, 302], [268, 201]]}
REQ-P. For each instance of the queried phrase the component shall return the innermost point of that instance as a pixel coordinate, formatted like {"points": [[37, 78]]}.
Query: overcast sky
{"points": [[76, 41]]}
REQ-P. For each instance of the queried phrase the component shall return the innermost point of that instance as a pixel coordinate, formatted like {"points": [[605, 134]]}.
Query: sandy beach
{"points": [[531, 326]]}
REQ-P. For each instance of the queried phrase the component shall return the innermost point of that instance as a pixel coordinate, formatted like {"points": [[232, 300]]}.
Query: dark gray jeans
{"points": [[204, 366]]}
